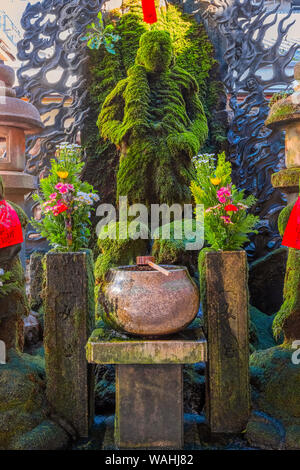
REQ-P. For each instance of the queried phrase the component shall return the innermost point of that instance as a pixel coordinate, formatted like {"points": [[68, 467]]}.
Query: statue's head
{"points": [[155, 51]]}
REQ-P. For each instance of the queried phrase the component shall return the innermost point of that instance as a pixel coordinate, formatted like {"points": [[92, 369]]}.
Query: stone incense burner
{"points": [[142, 301]]}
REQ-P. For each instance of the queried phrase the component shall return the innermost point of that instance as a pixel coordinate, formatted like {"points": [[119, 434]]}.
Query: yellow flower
{"points": [[215, 181], [62, 174]]}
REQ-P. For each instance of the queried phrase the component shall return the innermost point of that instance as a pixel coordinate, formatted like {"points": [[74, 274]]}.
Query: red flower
{"points": [[61, 207], [231, 208]]}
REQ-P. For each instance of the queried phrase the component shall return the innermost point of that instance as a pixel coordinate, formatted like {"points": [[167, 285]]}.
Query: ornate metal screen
{"points": [[255, 151], [52, 44], [52, 75]]}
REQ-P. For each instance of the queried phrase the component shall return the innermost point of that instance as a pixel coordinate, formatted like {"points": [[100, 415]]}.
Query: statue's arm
{"points": [[194, 108], [112, 113]]}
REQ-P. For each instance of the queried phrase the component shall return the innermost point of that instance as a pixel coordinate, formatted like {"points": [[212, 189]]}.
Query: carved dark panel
{"points": [[52, 75], [255, 151]]}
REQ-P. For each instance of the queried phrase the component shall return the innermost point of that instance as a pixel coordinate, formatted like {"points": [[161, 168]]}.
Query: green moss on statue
{"points": [[193, 52], [157, 119], [287, 319]]}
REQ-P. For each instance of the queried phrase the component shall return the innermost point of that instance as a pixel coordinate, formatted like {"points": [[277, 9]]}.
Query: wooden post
{"points": [[69, 320], [226, 315]]}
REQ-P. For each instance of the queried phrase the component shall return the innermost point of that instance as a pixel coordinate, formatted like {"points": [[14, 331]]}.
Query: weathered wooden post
{"points": [[226, 315], [69, 320]]}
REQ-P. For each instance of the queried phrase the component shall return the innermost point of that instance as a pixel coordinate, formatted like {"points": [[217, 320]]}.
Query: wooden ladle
{"points": [[149, 260]]}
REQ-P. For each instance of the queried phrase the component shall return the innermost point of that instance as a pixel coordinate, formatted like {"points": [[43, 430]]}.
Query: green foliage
{"points": [[156, 116], [193, 52], [226, 221], [99, 34], [66, 202], [5, 286]]}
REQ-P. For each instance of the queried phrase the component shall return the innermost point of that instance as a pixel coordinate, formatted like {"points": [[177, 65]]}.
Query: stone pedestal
{"points": [[226, 314], [69, 320], [149, 388]]}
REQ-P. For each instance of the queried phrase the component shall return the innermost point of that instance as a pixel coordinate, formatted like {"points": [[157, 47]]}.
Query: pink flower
{"points": [[223, 193], [226, 219], [222, 199], [53, 196], [70, 187], [62, 188]]}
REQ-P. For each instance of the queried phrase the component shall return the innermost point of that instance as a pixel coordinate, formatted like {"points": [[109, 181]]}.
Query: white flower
{"points": [[1, 272]]}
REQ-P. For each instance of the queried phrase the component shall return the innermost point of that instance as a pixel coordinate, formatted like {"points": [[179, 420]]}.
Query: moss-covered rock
{"points": [[22, 399], [276, 384], [261, 334]]}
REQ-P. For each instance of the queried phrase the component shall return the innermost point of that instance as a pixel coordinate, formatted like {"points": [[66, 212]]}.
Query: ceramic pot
{"points": [[145, 302]]}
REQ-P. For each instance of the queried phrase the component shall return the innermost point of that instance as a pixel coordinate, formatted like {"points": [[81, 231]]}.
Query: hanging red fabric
{"points": [[149, 11], [291, 236], [10, 226]]}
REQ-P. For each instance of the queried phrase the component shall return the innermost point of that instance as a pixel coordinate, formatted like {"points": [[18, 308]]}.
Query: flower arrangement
{"points": [[66, 201], [226, 220]]}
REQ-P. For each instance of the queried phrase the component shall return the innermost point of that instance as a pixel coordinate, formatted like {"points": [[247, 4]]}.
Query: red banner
{"points": [[149, 11], [291, 236], [10, 226]]}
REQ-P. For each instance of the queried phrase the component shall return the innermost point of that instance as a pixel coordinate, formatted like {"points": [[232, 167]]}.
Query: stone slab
{"points": [[188, 347], [149, 406]]}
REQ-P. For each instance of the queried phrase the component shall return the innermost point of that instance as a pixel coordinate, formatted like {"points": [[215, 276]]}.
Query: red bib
{"points": [[149, 11], [291, 236], [10, 226]]}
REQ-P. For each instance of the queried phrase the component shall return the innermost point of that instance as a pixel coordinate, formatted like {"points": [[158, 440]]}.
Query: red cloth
{"points": [[291, 236], [10, 226], [149, 11]]}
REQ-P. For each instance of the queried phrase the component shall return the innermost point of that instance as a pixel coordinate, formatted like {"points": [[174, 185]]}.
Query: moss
{"points": [[284, 218], [193, 52], [287, 319], [288, 178], [172, 249], [280, 112], [155, 115], [122, 250], [202, 280], [276, 383], [261, 329], [23, 403]]}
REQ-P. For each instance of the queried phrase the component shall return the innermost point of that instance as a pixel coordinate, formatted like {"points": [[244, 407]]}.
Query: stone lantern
{"points": [[17, 119], [285, 115]]}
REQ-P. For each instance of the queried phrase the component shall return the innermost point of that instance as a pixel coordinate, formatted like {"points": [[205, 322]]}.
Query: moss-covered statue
{"points": [[14, 305], [157, 119]]}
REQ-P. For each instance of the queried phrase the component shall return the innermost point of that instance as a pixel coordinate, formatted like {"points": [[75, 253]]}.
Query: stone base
{"points": [[149, 384], [149, 406]]}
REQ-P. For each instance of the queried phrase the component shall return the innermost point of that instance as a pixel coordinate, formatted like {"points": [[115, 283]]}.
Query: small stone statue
{"points": [[156, 118], [13, 306]]}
